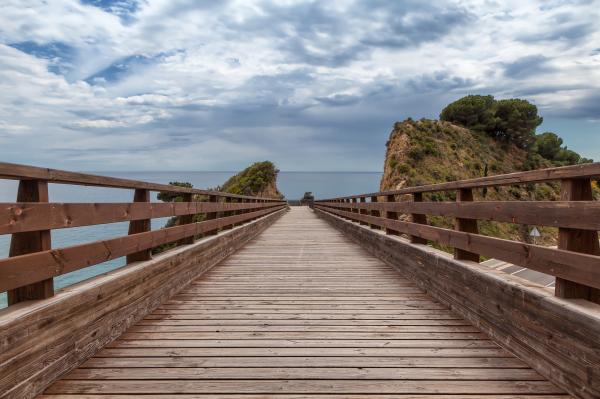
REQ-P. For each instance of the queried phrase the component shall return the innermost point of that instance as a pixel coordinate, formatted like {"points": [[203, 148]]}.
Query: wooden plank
{"points": [[29, 216], [41, 341], [578, 267], [362, 211], [302, 311], [140, 226], [302, 396], [577, 240], [374, 212], [31, 242], [186, 219], [305, 351], [306, 361], [582, 171], [301, 373], [527, 319], [24, 269], [303, 386], [391, 215], [417, 218], [467, 226], [570, 214], [25, 172]]}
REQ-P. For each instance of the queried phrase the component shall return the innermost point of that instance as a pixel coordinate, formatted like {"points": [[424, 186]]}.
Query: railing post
{"points": [[354, 208], [140, 226], [186, 219], [211, 215], [577, 240], [34, 241], [348, 201], [375, 212], [391, 215], [466, 225], [227, 213], [363, 211], [418, 218]]}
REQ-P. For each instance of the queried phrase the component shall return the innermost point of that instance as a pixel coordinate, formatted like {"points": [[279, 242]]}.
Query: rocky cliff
{"points": [[430, 151], [259, 179]]}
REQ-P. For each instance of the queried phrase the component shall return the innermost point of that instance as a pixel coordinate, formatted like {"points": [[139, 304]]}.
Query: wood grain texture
{"points": [[589, 170], [39, 341], [26, 172], [30, 242], [574, 266], [22, 270], [578, 240], [555, 336], [31, 216], [302, 312], [140, 226], [575, 215]]}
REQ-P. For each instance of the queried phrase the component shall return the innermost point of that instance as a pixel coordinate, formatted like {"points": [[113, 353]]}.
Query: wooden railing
{"points": [[576, 261], [32, 264]]}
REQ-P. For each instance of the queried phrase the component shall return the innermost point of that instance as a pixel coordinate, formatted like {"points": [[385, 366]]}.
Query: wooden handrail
{"points": [[589, 170], [576, 261], [25, 172], [32, 216], [29, 271]]}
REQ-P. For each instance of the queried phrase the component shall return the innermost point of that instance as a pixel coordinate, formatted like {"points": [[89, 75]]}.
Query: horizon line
{"points": [[224, 171]]}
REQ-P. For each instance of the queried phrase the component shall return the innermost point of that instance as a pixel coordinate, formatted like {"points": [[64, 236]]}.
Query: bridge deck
{"points": [[302, 311]]}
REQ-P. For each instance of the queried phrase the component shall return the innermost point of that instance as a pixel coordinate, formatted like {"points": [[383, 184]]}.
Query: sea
{"points": [[292, 185]]}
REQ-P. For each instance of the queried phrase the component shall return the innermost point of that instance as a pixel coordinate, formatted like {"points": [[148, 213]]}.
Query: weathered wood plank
{"points": [[40, 342], [303, 386], [22, 270], [529, 320], [578, 267], [25, 172], [31, 242], [577, 215], [302, 311], [589, 170]]}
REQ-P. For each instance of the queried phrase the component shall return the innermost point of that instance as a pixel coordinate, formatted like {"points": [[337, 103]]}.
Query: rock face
{"points": [[259, 179], [430, 151]]}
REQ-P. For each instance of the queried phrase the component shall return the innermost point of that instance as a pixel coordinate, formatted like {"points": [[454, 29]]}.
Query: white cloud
{"points": [[291, 81]]}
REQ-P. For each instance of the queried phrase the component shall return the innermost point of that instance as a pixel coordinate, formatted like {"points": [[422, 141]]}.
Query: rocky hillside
{"points": [[430, 151], [259, 179]]}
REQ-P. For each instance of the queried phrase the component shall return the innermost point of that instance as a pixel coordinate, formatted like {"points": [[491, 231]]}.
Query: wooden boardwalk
{"points": [[303, 312]]}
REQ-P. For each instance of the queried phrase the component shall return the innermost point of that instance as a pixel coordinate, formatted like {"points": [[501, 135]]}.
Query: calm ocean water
{"points": [[291, 184]]}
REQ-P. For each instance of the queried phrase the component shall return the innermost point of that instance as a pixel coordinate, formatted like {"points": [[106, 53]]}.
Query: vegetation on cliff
{"points": [[468, 143], [259, 179]]}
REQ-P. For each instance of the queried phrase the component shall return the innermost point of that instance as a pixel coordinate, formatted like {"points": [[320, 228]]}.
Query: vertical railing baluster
{"points": [[465, 225], [28, 242], [212, 215], [418, 218], [363, 211], [391, 215], [186, 219], [354, 208], [577, 240], [227, 213], [374, 212], [140, 226]]}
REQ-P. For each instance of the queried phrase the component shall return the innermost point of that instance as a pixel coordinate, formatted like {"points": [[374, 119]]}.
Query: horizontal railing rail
{"points": [[32, 264], [576, 261]]}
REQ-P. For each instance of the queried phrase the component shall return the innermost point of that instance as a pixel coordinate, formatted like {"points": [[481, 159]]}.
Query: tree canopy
{"points": [[513, 120]]}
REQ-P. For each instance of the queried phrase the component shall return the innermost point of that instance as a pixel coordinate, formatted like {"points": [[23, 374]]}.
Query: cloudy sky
{"points": [[312, 85]]}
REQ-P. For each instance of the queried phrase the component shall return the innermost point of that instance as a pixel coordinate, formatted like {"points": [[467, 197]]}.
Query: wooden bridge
{"points": [[259, 300]]}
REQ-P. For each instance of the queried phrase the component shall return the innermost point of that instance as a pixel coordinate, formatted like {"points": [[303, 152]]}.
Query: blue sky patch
{"points": [[59, 55]]}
